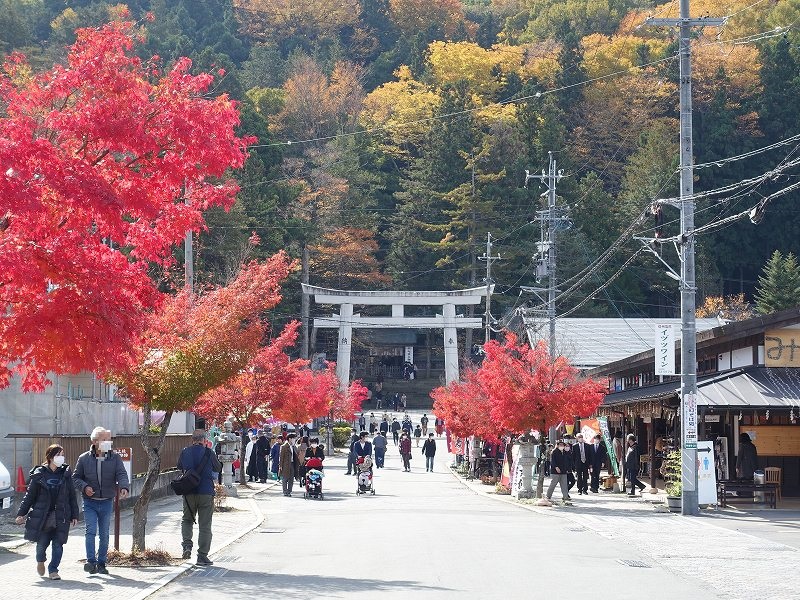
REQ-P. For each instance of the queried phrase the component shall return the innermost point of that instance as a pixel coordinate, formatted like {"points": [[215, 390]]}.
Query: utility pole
{"points": [[689, 504], [489, 260], [305, 304], [551, 221]]}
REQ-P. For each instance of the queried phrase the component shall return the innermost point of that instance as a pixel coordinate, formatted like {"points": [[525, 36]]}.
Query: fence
{"points": [[75, 445]]}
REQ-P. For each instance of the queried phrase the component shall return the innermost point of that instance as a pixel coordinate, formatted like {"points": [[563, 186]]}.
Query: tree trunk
{"points": [[540, 465], [153, 471]]}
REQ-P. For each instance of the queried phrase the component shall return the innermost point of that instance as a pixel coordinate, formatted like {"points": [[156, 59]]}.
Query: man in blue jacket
{"points": [[98, 474], [199, 505]]}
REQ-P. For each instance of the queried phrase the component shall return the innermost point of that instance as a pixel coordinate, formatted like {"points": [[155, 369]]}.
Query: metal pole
{"points": [[116, 521], [688, 334], [688, 405], [488, 284], [551, 255]]}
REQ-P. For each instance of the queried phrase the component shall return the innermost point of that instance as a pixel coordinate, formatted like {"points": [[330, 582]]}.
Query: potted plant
{"points": [[672, 478]]}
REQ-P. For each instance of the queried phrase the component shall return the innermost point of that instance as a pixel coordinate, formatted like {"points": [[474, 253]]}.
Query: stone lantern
{"points": [[228, 444], [526, 458]]}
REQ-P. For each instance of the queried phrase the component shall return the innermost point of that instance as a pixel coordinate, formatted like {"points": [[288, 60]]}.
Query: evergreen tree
{"points": [[779, 284]]}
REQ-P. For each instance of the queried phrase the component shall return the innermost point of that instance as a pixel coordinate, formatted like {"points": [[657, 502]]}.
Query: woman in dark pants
{"points": [[632, 465], [49, 508]]}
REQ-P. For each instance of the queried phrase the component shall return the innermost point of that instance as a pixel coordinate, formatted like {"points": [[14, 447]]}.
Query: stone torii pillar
{"points": [[345, 345], [450, 343]]}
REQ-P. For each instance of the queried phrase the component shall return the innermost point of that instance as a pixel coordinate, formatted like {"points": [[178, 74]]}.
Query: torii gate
{"points": [[346, 320]]}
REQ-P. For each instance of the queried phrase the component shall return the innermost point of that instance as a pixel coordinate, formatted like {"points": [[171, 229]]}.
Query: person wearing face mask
{"points": [[314, 450], [98, 474], [558, 471], [48, 509]]}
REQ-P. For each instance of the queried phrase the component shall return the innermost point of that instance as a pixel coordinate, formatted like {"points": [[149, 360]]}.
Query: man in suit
{"points": [[598, 459], [581, 458], [288, 464]]}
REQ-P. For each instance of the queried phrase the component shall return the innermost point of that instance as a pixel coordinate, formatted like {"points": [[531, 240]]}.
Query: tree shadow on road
{"points": [[305, 586]]}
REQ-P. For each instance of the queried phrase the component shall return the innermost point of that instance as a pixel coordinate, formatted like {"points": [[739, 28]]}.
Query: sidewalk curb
{"points": [[176, 572]]}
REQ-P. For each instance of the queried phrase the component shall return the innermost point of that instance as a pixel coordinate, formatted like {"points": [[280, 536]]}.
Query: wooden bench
{"points": [[769, 490]]}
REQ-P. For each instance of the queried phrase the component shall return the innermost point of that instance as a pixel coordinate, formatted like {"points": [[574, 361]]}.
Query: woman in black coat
{"points": [[49, 491]]}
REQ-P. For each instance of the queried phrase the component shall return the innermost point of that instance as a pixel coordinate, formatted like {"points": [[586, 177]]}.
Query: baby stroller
{"points": [[364, 465], [313, 479]]}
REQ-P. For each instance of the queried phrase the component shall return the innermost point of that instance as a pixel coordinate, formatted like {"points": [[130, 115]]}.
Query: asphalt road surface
{"points": [[423, 535]]}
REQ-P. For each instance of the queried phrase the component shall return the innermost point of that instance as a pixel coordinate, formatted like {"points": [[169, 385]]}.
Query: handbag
{"points": [[190, 479], [50, 521]]}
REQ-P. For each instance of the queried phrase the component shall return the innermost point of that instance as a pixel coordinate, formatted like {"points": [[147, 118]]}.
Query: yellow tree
{"points": [[414, 16]]}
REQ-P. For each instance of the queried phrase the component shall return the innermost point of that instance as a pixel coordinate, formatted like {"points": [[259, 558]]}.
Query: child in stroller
{"points": [[313, 479], [364, 466]]}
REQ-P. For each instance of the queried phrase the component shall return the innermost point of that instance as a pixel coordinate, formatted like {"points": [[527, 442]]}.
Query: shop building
{"points": [[748, 381]]}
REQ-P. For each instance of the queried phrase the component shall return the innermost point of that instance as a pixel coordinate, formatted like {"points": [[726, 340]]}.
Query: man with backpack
{"points": [[199, 504]]}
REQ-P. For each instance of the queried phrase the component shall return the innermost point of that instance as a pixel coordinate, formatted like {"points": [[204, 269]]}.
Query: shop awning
{"points": [[759, 387], [751, 387]]}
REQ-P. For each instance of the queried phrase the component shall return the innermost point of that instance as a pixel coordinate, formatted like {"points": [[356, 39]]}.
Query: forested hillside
{"points": [[394, 134]]}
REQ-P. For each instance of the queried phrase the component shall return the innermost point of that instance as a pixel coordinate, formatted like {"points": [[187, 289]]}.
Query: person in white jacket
{"points": [[248, 453]]}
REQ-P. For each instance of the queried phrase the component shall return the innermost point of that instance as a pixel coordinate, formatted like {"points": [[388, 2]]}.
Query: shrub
{"points": [[341, 436]]}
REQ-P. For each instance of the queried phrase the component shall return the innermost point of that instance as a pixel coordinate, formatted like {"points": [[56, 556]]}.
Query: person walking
{"points": [[403, 401], [351, 455], [98, 474], [362, 422], [384, 426], [439, 426], [275, 459], [632, 465], [199, 505], [558, 471], [417, 435], [288, 463], [407, 425], [48, 509], [580, 458], [429, 452], [362, 447], [262, 452], [405, 451], [250, 467], [424, 423], [599, 456], [379, 443], [373, 423], [395, 431]]}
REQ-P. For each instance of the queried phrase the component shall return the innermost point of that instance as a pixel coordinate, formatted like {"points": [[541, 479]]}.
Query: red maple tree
{"points": [[465, 408], [193, 344], [527, 389], [107, 161]]}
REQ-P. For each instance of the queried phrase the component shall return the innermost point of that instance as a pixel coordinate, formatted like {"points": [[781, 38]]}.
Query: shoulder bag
{"points": [[187, 482]]}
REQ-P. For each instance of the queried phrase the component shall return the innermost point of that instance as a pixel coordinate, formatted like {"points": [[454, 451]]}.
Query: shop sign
{"points": [[782, 348], [689, 424], [706, 473], [665, 349], [712, 418]]}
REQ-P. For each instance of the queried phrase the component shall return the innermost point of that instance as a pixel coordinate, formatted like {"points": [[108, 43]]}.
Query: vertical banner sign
{"points": [[665, 349], [689, 425], [603, 423], [408, 355], [706, 474]]}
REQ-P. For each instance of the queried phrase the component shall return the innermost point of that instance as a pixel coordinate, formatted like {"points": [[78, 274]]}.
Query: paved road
{"points": [[424, 536]]}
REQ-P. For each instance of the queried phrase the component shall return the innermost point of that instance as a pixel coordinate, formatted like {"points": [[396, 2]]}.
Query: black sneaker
{"points": [[101, 569], [204, 561], [90, 568], [187, 554]]}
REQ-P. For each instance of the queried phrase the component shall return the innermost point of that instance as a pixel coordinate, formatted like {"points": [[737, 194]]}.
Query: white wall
{"points": [[743, 357]]}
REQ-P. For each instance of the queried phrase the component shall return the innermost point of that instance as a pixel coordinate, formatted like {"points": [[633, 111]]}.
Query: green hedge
{"points": [[341, 436]]}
